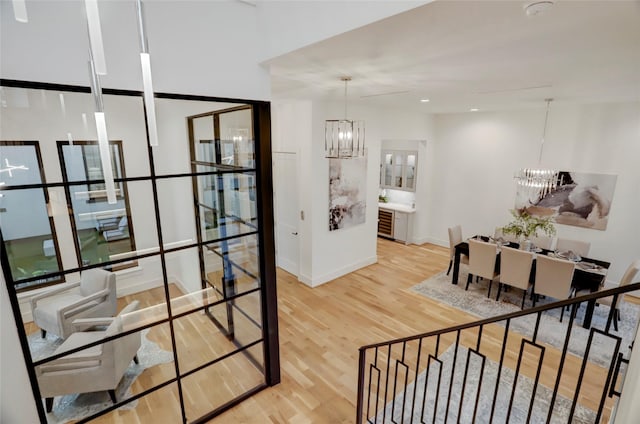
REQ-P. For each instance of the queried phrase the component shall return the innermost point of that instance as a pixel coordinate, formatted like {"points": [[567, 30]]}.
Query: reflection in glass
{"points": [[28, 231], [239, 372], [102, 230]]}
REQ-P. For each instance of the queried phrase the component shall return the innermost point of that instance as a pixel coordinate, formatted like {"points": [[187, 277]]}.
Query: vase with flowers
{"points": [[524, 226]]}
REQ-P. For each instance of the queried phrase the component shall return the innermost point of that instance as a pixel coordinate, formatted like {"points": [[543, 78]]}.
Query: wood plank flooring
{"points": [[321, 330]]}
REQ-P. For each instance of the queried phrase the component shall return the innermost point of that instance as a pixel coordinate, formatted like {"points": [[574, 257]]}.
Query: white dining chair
{"points": [[627, 278], [553, 278], [455, 237], [482, 262], [543, 242], [498, 233], [577, 246], [515, 270]]}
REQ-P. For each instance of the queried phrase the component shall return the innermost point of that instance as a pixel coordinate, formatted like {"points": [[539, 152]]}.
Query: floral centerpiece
{"points": [[525, 225]]}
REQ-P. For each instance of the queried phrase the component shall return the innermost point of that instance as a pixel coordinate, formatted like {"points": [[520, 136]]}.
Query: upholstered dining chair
{"points": [[553, 278], [577, 246], [482, 262], [627, 278], [455, 237], [94, 369], [93, 296], [515, 270], [498, 233], [544, 242]]}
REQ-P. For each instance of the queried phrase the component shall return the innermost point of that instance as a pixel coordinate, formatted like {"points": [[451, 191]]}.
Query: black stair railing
{"points": [[521, 367]]}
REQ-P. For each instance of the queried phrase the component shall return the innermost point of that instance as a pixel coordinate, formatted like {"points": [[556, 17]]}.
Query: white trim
{"points": [[314, 282]]}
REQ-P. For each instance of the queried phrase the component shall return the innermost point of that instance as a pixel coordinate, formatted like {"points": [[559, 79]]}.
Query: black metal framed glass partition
{"points": [[173, 284]]}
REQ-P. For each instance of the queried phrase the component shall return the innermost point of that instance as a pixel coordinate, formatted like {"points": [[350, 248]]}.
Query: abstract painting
{"points": [[579, 199], [347, 192]]}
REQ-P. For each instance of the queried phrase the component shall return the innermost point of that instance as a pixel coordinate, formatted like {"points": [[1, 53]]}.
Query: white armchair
{"points": [[93, 296], [94, 369], [118, 233]]}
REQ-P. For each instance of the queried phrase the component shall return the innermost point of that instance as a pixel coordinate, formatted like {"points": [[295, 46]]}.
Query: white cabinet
{"points": [[401, 226], [398, 169], [395, 223]]}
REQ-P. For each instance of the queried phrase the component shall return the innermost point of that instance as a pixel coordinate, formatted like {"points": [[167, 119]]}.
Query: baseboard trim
{"points": [[317, 281]]}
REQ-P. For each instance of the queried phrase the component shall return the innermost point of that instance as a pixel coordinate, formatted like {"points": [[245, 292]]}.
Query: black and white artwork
{"points": [[347, 192], [580, 199]]}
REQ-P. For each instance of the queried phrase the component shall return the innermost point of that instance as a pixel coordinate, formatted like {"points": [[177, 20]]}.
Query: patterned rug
{"points": [[551, 331], [77, 406], [426, 396]]}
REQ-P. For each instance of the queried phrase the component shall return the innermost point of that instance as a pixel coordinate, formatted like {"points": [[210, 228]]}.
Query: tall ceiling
{"points": [[488, 55]]}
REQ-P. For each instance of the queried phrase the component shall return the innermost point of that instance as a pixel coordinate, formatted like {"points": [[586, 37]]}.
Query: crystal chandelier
{"points": [[537, 181], [343, 138]]}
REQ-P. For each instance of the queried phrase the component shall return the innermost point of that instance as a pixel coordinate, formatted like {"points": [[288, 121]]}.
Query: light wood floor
{"points": [[321, 330]]}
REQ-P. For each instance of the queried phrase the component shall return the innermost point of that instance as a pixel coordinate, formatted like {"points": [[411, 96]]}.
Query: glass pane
{"points": [[238, 258], [397, 171], [410, 171], [388, 169], [103, 230], [204, 390], [78, 382], [177, 215], [27, 230], [31, 248]]}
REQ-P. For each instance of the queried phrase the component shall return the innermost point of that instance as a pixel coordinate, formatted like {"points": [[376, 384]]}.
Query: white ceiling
{"points": [[475, 54]]}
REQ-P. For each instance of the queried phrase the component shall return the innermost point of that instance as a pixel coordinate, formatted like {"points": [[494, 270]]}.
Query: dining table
{"points": [[588, 273]]}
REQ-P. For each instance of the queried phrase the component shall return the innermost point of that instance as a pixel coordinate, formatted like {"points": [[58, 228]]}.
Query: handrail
{"points": [[568, 302], [388, 380]]}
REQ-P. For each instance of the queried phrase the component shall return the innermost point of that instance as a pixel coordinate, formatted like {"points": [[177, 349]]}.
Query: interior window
{"points": [[104, 232], [28, 231]]}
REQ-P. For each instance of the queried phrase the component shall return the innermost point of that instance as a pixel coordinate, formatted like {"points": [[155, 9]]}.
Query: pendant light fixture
{"points": [[147, 84], [344, 138], [98, 66], [538, 181]]}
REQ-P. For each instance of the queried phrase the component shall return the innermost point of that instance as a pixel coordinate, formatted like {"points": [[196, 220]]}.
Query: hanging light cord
{"points": [[346, 80], [544, 130]]}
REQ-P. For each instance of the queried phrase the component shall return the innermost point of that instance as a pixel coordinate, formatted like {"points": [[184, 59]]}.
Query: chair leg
{"points": [[489, 292], [43, 333], [499, 290], [524, 295], [112, 395], [136, 360], [616, 317], [469, 278], [49, 404], [450, 263]]}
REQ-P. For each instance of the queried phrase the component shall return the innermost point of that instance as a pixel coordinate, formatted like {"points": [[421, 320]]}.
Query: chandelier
{"points": [[537, 181], [343, 138]]}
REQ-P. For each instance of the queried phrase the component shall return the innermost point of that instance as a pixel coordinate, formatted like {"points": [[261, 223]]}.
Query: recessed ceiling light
{"points": [[424, 100], [474, 109]]}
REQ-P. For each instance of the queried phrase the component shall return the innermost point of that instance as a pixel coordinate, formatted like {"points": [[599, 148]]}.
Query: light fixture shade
{"points": [[95, 36], [20, 11], [343, 138], [105, 157], [538, 182], [149, 102]]}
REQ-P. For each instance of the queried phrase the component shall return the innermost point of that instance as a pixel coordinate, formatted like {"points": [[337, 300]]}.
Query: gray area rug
{"points": [[427, 383], [551, 331], [77, 406]]}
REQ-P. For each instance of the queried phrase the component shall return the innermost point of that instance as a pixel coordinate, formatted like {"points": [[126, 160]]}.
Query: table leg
{"points": [[456, 266], [588, 314]]}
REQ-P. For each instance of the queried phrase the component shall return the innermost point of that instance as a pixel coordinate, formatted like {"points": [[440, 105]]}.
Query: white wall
{"points": [[475, 156], [335, 253]]}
